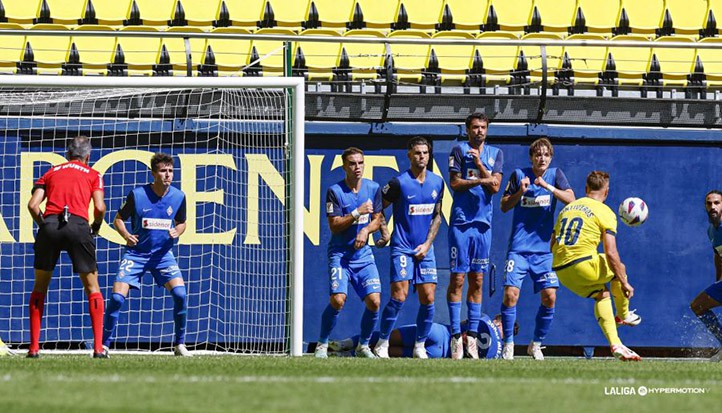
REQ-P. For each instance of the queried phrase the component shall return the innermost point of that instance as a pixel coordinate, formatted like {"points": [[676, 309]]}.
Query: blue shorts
{"points": [[404, 267], [469, 248], [538, 266], [132, 268], [715, 291], [363, 275]]}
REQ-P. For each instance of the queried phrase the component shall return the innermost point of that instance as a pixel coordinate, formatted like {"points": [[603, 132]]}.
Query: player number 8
{"points": [[509, 266]]}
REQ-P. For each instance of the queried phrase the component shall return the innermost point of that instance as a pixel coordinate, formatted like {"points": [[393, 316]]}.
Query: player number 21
{"points": [[570, 233]]}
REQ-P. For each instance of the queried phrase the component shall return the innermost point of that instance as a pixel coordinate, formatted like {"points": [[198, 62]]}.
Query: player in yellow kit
{"points": [[579, 229]]}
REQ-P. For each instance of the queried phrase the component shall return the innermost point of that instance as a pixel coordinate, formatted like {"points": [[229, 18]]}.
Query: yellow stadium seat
{"points": [[688, 16], [11, 49], [50, 52], [511, 16], [453, 61], [231, 55], [22, 11], [555, 15], [420, 14], [112, 13], [587, 62], [200, 13], [245, 13], [675, 64], [288, 13], [599, 16], [141, 53], [499, 61], [364, 59], [270, 52], [379, 14], [468, 14], [317, 60], [95, 52], [410, 60], [711, 61], [534, 58], [156, 12], [645, 16], [334, 13], [176, 49], [632, 63], [67, 11]]}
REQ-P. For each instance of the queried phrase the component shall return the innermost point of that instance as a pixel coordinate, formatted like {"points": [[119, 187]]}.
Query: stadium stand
{"points": [[709, 64], [136, 55], [581, 65], [11, 49], [420, 14], [364, 60], [688, 17], [94, 52], [69, 12], [552, 15], [644, 16], [23, 12], [453, 62], [174, 48], [500, 64], [511, 16], [670, 67], [336, 14], [291, 14], [112, 13], [199, 13], [316, 60], [627, 67], [225, 57], [715, 10], [409, 61], [597, 16], [375, 14], [270, 53], [244, 13], [156, 12], [45, 55], [468, 15], [534, 58]]}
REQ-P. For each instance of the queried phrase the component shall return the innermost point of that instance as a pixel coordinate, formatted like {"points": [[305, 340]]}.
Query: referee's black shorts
{"points": [[75, 237]]}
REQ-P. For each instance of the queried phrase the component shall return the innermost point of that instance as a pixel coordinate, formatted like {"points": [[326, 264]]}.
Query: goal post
{"points": [[239, 150]]}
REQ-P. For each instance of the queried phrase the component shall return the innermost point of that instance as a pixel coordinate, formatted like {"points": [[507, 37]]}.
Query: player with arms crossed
{"points": [[353, 210], [475, 172], [416, 195], [533, 194], [580, 227], [711, 297], [68, 187], [157, 213]]}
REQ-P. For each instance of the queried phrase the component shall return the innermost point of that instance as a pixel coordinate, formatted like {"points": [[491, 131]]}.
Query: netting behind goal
{"points": [[232, 159]]}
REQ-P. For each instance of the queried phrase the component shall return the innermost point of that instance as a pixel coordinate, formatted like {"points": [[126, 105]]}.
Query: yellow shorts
{"points": [[588, 277]]}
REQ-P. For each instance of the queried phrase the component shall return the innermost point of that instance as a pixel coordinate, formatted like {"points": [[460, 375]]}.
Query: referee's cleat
{"points": [[33, 355], [321, 351], [623, 353], [180, 350], [632, 319]]}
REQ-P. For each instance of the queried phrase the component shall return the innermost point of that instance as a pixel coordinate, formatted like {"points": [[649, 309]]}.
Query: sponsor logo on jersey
{"points": [[170, 270], [156, 223], [427, 271], [421, 209], [472, 173], [480, 261], [386, 188], [372, 281], [538, 201], [363, 219], [329, 207]]}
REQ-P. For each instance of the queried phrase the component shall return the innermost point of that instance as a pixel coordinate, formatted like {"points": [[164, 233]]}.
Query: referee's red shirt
{"points": [[71, 184]]}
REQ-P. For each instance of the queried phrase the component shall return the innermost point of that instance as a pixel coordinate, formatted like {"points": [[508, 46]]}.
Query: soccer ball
{"points": [[633, 211]]}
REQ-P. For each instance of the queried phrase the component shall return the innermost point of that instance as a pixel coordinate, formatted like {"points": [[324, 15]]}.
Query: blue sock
{"points": [[455, 317], [368, 324], [508, 318], [328, 322], [388, 318], [544, 318], [180, 312], [474, 311], [710, 320], [424, 319], [111, 317]]}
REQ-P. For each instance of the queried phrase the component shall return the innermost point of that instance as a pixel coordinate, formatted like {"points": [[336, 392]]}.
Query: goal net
{"points": [[238, 151]]}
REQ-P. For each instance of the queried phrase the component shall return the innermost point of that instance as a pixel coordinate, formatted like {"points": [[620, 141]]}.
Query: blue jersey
{"points": [[474, 204], [151, 217], [715, 236], [414, 206], [340, 201], [489, 339], [533, 220]]}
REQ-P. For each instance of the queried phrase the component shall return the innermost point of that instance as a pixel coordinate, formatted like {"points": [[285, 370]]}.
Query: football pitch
{"points": [[128, 383]]}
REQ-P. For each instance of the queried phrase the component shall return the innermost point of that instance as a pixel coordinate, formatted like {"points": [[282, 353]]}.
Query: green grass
{"points": [[268, 384]]}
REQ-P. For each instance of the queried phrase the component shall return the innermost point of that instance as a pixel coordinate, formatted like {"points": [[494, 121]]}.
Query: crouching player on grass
{"points": [[157, 214]]}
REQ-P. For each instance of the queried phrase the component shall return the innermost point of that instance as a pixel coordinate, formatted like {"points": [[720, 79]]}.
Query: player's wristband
{"points": [[551, 189], [355, 214], [95, 227]]}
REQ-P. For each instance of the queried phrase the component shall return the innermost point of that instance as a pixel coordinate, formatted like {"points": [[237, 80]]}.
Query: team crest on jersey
{"points": [[169, 210], [434, 194], [334, 285], [403, 272], [538, 201], [491, 161]]}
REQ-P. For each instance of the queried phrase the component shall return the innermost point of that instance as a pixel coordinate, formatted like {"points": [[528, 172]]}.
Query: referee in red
{"points": [[68, 188]]}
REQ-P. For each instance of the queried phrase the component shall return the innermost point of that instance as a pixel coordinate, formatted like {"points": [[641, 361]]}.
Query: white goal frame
{"points": [[297, 151]]}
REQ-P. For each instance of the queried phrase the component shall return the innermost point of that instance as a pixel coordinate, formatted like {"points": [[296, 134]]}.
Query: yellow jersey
{"points": [[578, 231]]}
